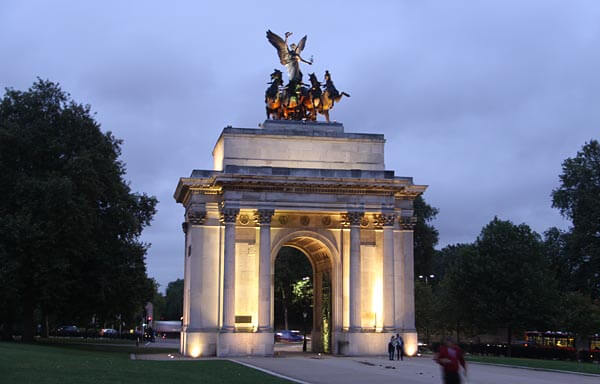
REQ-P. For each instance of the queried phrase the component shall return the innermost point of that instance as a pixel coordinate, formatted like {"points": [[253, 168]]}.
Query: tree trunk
{"points": [[509, 341], [45, 325], [457, 332], [28, 305]]}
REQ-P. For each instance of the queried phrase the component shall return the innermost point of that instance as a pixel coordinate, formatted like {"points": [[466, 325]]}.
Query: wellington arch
{"points": [[321, 190]]}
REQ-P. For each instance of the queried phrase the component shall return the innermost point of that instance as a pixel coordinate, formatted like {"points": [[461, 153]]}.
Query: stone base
{"points": [[245, 344], [372, 343], [198, 344], [203, 344]]}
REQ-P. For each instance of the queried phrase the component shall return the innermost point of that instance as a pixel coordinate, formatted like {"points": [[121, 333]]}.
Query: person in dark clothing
{"points": [[450, 357], [391, 348], [400, 347]]}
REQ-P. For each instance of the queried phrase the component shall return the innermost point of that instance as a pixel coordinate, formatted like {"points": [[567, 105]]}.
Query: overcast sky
{"points": [[480, 100]]}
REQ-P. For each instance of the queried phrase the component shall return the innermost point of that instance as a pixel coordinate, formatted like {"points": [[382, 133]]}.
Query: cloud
{"points": [[482, 101]]}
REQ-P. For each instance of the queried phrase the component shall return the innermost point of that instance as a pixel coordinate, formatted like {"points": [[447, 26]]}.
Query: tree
{"points": [[424, 309], [580, 315], [69, 223], [174, 305], [291, 266], [504, 281], [578, 198], [425, 237]]}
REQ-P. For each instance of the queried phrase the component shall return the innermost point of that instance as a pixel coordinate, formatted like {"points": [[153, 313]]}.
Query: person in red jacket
{"points": [[450, 357]]}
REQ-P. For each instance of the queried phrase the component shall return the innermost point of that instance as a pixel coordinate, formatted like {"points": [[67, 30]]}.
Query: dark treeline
{"points": [[70, 251], [512, 279]]}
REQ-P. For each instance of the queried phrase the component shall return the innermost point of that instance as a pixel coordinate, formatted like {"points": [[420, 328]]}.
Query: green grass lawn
{"points": [[572, 366], [83, 364]]}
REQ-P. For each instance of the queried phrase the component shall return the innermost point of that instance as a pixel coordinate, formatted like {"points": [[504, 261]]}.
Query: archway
{"points": [[306, 246]]}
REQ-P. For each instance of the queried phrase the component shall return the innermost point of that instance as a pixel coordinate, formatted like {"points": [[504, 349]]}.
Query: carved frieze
{"points": [[244, 219]]}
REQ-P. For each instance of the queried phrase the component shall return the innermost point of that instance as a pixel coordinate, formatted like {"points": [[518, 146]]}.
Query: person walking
{"points": [[391, 347], [400, 347], [450, 357]]}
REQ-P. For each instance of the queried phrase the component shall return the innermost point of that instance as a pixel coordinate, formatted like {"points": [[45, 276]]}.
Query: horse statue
{"points": [[273, 96], [330, 96], [312, 100]]}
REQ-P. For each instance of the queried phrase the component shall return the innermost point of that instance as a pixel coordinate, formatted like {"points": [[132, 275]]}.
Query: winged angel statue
{"points": [[289, 56], [297, 101]]}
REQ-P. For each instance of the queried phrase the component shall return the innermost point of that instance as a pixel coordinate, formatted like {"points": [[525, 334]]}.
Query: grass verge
{"points": [[83, 364], [571, 366]]}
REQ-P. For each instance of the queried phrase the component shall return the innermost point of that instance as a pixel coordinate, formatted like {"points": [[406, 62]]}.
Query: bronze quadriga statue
{"points": [[296, 100]]}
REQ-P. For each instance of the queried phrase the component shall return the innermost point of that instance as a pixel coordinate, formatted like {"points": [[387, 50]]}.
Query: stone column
{"points": [[263, 218], [228, 217], [408, 295], [194, 227], [388, 272], [354, 219]]}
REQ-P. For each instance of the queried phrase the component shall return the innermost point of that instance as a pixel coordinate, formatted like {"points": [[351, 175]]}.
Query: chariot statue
{"points": [[296, 100]]}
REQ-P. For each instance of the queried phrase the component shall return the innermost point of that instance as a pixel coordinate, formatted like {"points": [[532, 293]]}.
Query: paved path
{"points": [[344, 370]]}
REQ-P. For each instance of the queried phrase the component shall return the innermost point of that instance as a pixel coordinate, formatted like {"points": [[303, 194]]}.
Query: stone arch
{"points": [[320, 248]]}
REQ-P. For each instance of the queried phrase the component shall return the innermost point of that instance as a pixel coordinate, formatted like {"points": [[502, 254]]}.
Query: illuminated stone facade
{"points": [[313, 187]]}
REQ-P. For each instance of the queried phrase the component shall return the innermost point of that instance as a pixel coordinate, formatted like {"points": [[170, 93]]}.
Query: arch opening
{"points": [[304, 264]]}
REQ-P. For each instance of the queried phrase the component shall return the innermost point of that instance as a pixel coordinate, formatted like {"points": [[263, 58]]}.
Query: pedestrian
{"points": [[391, 347], [400, 347], [450, 357]]}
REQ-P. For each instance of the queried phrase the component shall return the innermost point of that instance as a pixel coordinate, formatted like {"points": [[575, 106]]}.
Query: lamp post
{"points": [[304, 315], [426, 277]]}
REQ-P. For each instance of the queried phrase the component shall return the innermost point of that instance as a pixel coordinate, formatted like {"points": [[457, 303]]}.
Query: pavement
{"points": [[317, 369]]}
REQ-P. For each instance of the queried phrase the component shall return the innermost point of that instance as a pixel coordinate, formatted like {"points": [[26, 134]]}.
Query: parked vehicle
{"points": [[108, 332], [68, 330], [288, 336]]}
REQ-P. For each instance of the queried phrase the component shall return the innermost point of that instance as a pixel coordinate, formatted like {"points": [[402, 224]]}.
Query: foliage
{"points": [[578, 198], [425, 237], [174, 305], [503, 280], [580, 315], [291, 266], [69, 223]]}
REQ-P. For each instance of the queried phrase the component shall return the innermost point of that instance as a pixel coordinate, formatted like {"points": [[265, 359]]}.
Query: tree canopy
{"points": [[69, 222], [578, 199]]}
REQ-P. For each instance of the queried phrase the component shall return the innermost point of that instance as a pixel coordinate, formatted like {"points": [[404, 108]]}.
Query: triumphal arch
{"points": [[296, 182], [315, 187]]}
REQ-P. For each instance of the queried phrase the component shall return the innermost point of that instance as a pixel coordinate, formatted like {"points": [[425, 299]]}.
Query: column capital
{"points": [[352, 218], [195, 214], [408, 223], [385, 220], [229, 215], [263, 216]]}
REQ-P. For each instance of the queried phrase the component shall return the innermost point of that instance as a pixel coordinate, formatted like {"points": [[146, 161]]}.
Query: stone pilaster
{"points": [[263, 219], [228, 217]]}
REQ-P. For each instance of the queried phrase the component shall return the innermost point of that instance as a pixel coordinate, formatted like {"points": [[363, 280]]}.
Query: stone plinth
{"points": [[293, 144]]}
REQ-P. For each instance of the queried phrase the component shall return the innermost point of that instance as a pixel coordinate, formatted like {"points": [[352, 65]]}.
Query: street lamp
{"points": [[304, 316], [426, 277]]}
